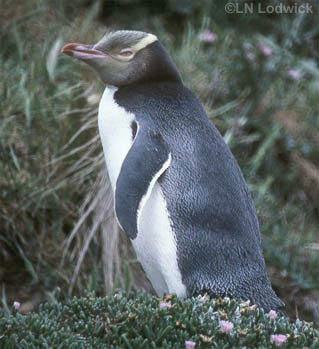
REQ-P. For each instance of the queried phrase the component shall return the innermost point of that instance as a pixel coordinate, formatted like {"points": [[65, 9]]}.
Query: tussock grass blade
{"points": [[262, 151], [52, 58], [19, 43], [224, 108], [28, 264], [14, 158], [91, 15], [102, 209], [4, 300], [127, 277], [27, 108]]}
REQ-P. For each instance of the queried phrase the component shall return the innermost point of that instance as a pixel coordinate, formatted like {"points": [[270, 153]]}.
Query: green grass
{"points": [[56, 215]]}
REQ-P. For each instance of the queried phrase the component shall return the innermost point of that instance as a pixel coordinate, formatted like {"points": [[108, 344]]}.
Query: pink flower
{"points": [[207, 36], [164, 304], [278, 339], [190, 345], [267, 51], [272, 314], [226, 326], [294, 74], [16, 305]]}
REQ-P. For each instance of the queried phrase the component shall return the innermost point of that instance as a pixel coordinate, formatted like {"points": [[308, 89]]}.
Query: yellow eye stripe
{"points": [[147, 40]]}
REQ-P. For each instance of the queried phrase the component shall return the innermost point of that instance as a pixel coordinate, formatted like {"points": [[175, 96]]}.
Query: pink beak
{"points": [[84, 52]]}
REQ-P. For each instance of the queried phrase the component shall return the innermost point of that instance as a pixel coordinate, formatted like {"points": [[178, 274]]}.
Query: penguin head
{"points": [[124, 57]]}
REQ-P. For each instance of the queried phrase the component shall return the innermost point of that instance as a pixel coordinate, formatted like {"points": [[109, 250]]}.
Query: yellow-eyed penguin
{"points": [[179, 193]]}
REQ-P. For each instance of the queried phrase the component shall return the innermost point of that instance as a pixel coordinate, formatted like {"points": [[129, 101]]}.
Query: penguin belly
{"points": [[155, 244]]}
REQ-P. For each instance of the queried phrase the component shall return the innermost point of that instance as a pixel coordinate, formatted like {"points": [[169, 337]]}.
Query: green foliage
{"points": [[55, 204], [138, 320], [40, 113]]}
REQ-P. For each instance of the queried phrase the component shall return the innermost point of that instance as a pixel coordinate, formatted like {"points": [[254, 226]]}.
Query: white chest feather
{"points": [[155, 244], [115, 132]]}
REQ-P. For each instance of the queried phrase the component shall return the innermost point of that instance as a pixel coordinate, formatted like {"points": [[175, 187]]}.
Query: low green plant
{"points": [[259, 87], [139, 320]]}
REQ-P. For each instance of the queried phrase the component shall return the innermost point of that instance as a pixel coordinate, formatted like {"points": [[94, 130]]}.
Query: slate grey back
{"points": [[212, 213]]}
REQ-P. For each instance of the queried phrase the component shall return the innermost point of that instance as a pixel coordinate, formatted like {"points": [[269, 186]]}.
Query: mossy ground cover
{"points": [[139, 320], [257, 77]]}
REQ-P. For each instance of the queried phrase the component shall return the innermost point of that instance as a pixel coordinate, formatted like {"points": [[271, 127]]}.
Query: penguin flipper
{"points": [[146, 161]]}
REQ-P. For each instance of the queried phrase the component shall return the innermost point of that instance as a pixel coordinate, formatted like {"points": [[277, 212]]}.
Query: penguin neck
{"points": [[160, 65]]}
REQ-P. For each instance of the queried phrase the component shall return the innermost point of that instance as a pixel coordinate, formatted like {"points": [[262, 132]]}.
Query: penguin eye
{"points": [[126, 53]]}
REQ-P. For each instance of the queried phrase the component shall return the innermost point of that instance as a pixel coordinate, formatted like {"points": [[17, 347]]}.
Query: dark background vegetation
{"points": [[58, 234]]}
